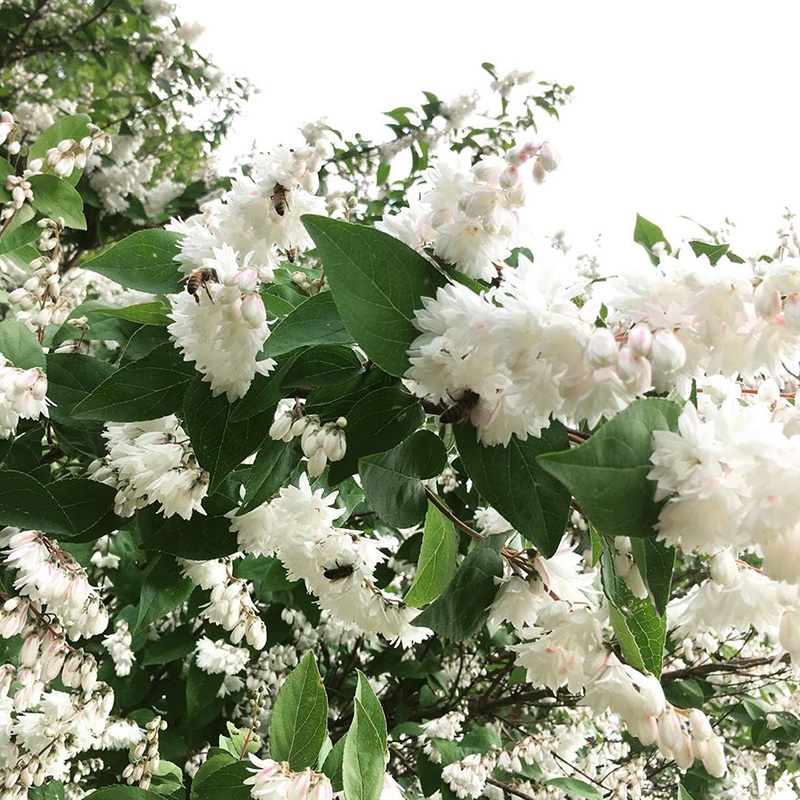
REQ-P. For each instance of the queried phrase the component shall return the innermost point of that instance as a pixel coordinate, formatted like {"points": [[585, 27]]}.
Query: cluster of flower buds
{"points": [[687, 736], [232, 608], [627, 568], [301, 280], [8, 132], [152, 462], [118, 645], [320, 443], [22, 396], [146, 758], [274, 780], [21, 191], [51, 577], [547, 160], [69, 154], [240, 297]]}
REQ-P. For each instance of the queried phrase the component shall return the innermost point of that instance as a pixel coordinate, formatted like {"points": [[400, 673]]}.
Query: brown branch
{"points": [[735, 665]]}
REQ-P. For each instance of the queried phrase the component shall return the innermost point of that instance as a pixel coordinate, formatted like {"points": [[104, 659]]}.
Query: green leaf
{"points": [[201, 538], [123, 793], [70, 378], [392, 481], [640, 630], [212, 764], [226, 782], [463, 608], [333, 764], [363, 765], [377, 423], [713, 251], [437, 560], [608, 474], [149, 388], [323, 365], [89, 506], [512, 480], [219, 443], [332, 402], [19, 345], [265, 391], [153, 313], [683, 794], [164, 589], [576, 788], [26, 503], [648, 234], [271, 470], [655, 562], [202, 703], [71, 127], [143, 261], [299, 721], [378, 283], [5, 170], [314, 321], [170, 647], [54, 197]]}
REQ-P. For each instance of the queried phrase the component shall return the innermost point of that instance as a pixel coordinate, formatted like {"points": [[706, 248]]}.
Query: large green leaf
{"points": [[300, 718], [54, 197], [143, 261], [226, 782], [123, 793], [26, 503], [265, 390], [364, 760], [437, 559], [393, 481], [512, 480], [202, 704], [462, 609], [576, 788], [164, 589], [314, 321], [378, 283], [201, 538], [608, 474], [149, 388], [219, 443], [18, 343], [170, 647], [70, 378], [648, 235], [89, 506], [323, 365], [640, 629], [152, 313], [74, 127], [378, 422], [655, 562]]}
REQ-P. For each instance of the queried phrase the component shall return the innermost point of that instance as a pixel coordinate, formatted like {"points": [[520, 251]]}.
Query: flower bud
{"points": [[539, 172], [669, 730], [701, 727], [334, 444], [635, 372], [714, 760], [640, 340], [668, 354], [553, 615], [602, 349], [768, 392], [789, 633], [316, 463], [509, 177], [723, 568], [548, 157], [281, 426], [767, 301], [684, 757]]}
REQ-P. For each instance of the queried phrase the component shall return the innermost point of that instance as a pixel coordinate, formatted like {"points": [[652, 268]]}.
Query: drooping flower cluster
{"points": [[336, 564], [536, 348], [52, 578], [470, 215], [231, 605], [22, 396], [152, 462], [145, 756], [232, 249], [320, 443], [275, 780], [118, 645]]}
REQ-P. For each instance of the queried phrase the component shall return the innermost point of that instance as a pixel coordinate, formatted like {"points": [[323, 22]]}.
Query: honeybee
{"points": [[200, 279], [291, 254], [461, 409], [280, 199], [338, 572]]}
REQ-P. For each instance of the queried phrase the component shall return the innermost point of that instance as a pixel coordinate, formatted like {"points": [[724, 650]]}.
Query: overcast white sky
{"points": [[680, 107]]}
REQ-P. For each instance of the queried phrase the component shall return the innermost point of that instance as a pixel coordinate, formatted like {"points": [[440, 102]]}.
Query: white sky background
{"points": [[680, 108]]}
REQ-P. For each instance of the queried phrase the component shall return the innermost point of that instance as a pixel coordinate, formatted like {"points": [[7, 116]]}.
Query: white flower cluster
{"points": [[320, 443], [52, 578], [217, 657], [230, 604], [729, 475], [68, 154], [534, 348], [152, 462], [274, 780], [337, 565], [145, 756], [470, 215], [22, 396], [118, 645], [233, 248]]}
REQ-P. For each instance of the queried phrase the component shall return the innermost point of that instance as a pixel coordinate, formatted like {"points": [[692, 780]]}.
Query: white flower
{"points": [[216, 657], [118, 645]]}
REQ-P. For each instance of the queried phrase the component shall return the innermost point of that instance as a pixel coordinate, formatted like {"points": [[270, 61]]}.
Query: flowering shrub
{"points": [[296, 506]]}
